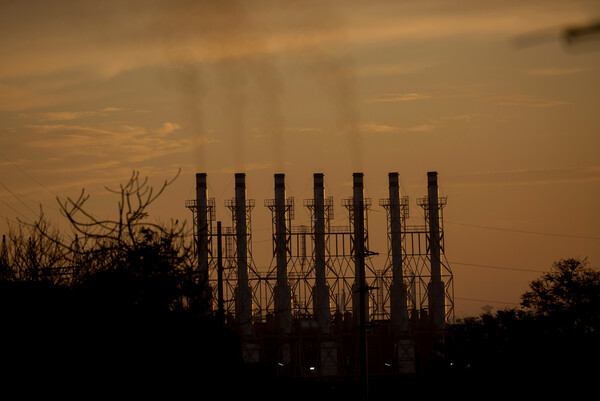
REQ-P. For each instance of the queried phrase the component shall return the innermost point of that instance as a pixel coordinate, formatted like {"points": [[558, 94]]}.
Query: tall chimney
{"points": [[282, 289], [243, 294], [202, 222], [398, 297], [321, 290], [360, 293], [436, 286]]}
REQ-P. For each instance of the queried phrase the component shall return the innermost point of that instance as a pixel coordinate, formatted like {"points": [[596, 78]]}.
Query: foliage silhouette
{"points": [[549, 345], [569, 296], [115, 306]]}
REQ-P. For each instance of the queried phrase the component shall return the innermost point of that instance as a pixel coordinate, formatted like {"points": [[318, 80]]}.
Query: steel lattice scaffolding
{"points": [[312, 277]]}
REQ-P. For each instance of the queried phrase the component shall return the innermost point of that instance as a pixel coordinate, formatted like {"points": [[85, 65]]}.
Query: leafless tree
{"points": [[128, 243], [34, 253]]}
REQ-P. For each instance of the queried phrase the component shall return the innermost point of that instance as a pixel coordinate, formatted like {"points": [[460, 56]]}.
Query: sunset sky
{"points": [[486, 93]]}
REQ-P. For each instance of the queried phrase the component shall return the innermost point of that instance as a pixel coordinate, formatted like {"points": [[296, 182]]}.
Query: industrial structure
{"points": [[322, 309]]}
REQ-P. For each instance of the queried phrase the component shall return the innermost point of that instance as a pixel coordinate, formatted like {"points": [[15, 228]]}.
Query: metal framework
{"points": [[339, 256], [385, 275], [421, 268], [311, 282]]}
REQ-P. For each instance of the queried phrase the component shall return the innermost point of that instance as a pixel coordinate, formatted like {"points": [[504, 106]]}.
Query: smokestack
{"points": [[360, 292], [361, 304], [282, 289], [202, 234], [321, 290], [436, 286], [398, 298], [243, 294]]}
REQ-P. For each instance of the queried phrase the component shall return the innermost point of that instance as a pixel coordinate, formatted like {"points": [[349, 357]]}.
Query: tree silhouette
{"points": [[33, 253], [150, 265], [115, 304], [549, 344], [570, 294]]}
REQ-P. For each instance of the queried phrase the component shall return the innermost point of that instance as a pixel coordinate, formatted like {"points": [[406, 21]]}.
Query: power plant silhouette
{"points": [[322, 309]]}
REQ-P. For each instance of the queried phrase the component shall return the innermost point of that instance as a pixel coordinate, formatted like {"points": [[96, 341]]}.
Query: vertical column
{"points": [[361, 304], [328, 353], [399, 312], [202, 222], [243, 294], [282, 289], [220, 294], [436, 286], [360, 293], [321, 290]]}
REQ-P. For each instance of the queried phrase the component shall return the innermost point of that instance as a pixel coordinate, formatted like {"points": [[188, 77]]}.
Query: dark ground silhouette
{"points": [[133, 324], [62, 341]]}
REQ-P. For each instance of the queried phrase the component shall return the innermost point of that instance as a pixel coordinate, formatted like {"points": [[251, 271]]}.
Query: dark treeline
{"points": [[551, 343], [114, 308]]}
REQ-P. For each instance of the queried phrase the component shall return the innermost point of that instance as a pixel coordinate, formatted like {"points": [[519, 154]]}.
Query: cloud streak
{"points": [[526, 177], [553, 72], [61, 144], [68, 115], [398, 97], [129, 35], [378, 128], [527, 100]]}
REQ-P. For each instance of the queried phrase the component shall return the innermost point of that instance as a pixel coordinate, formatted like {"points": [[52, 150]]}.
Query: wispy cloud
{"points": [[422, 128], [68, 115], [462, 117], [58, 115], [168, 128], [304, 130], [398, 97], [202, 140], [129, 37], [378, 128], [252, 166], [527, 177], [527, 100], [62, 143], [553, 72], [394, 68]]}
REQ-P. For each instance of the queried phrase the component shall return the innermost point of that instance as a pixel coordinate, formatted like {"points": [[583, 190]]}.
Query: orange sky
{"points": [[90, 91]]}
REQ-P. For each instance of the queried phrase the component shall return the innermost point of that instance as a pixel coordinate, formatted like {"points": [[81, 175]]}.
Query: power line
{"points": [[18, 198], [523, 231], [17, 211], [8, 219], [28, 175], [487, 300], [498, 267]]}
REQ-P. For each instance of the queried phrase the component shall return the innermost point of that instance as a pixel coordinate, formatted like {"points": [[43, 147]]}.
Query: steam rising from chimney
{"points": [[229, 61]]}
